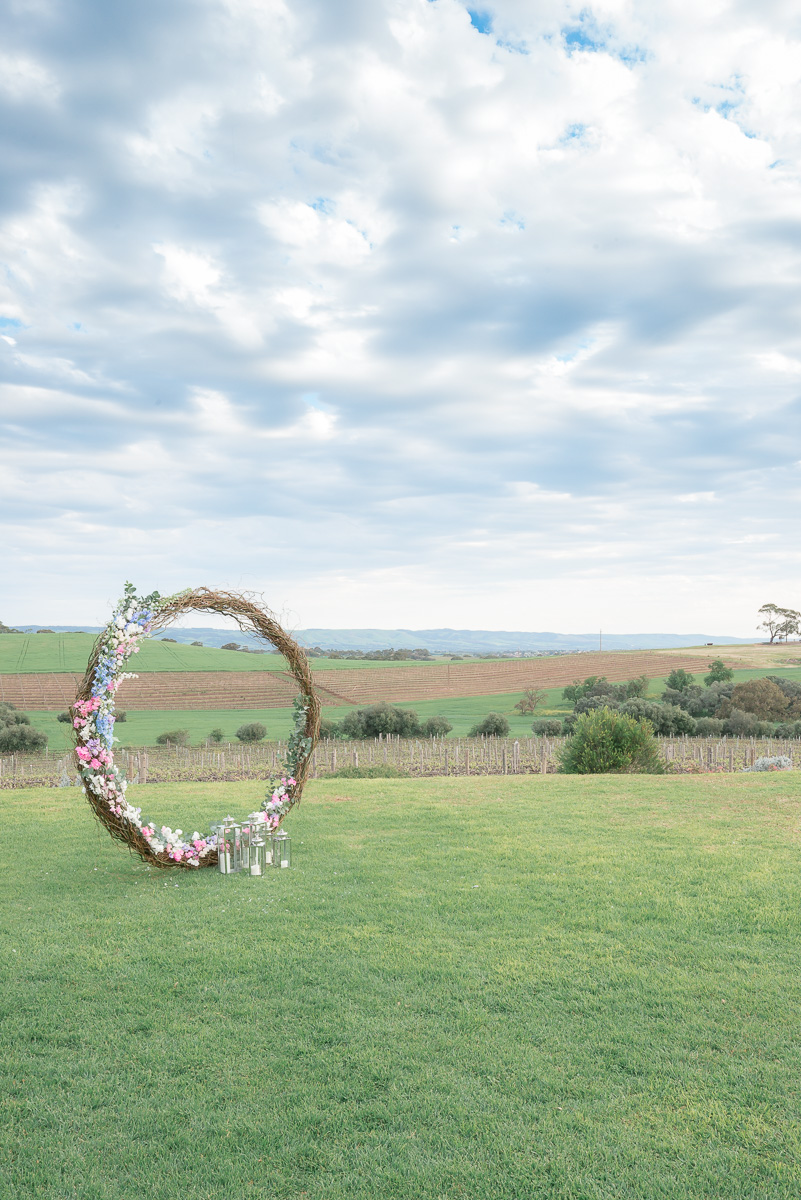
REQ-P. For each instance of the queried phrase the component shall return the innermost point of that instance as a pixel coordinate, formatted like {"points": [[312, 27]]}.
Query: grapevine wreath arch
{"points": [[104, 784]]}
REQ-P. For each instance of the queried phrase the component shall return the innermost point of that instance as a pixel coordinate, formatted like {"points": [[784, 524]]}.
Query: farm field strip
{"points": [[272, 689]]}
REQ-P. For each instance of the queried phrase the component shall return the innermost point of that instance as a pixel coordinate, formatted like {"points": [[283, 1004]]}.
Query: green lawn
{"points": [[578, 988]]}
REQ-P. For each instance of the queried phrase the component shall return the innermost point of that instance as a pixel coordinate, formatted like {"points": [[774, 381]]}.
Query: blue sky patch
{"points": [[480, 20]]}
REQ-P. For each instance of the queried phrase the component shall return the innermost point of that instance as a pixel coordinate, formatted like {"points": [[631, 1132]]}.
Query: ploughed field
{"points": [[215, 684]]}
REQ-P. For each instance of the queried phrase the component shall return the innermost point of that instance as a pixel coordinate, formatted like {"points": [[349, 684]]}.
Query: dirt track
{"points": [[163, 691]]}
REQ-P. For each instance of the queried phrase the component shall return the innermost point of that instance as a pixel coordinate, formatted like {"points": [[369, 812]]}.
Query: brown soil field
{"points": [[164, 690]]}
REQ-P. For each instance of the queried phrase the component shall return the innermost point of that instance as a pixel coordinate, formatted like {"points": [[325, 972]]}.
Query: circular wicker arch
{"points": [[249, 615]]}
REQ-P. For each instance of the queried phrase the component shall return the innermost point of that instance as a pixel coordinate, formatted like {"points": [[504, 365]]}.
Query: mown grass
{"points": [[581, 988]]}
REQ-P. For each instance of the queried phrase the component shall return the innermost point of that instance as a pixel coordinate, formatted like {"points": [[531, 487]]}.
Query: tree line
{"points": [[765, 707]]}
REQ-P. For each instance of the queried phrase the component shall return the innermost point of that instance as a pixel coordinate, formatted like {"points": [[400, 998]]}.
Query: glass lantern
{"points": [[282, 853], [229, 848], [258, 856]]}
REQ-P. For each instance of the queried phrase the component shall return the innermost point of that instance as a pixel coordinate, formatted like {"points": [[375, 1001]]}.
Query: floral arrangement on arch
{"points": [[105, 784]]}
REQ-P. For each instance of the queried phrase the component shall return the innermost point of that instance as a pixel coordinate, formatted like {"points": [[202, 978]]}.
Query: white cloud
{"points": [[490, 328]]}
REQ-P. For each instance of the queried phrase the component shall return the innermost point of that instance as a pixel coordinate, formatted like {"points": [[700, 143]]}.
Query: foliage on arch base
{"points": [[105, 784]]}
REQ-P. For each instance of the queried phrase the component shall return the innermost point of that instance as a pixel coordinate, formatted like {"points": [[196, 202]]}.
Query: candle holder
{"points": [[229, 847], [258, 856], [282, 849]]}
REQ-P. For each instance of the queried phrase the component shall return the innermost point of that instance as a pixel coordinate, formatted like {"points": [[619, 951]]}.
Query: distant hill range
{"points": [[441, 641]]}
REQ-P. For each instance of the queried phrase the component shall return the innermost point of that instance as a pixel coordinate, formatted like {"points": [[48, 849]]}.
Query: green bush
{"points": [[382, 719], [546, 727], [329, 729], [668, 720], [254, 731], [216, 735], [679, 680], [15, 718], [21, 738], [435, 727], [65, 718], [718, 672], [708, 727], [609, 742], [174, 737], [493, 725]]}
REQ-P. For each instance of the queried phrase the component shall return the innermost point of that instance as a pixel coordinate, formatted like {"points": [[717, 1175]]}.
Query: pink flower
{"points": [[94, 763]]}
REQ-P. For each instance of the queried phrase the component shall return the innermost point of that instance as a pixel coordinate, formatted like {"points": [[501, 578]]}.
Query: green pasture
{"points": [[488, 989], [142, 728], [30, 654]]}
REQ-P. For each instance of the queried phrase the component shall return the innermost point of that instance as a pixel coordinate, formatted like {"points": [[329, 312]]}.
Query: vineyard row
{"points": [[432, 757]]}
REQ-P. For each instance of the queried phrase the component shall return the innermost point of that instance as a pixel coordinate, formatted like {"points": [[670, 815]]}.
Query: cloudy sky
{"points": [[403, 313]]}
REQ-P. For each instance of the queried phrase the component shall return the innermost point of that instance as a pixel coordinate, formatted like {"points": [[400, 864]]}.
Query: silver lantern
{"points": [[282, 851], [258, 856], [229, 847]]}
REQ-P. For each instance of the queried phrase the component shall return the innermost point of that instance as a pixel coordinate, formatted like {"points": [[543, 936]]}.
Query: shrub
{"points": [[718, 672], [16, 718], [254, 731], [789, 729], [20, 737], [740, 724], [605, 741], [576, 690], [121, 716], [435, 727], [761, 697], [679, 680], [790, 687], [547, 727], [64, 718], [174, 737], [708, 727], [637, 687], [772, 762], [380, 719], [590, 703], [195, 643], [173, 640], [216, 735], [230, 646], [493, 725], [329, 729]]}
